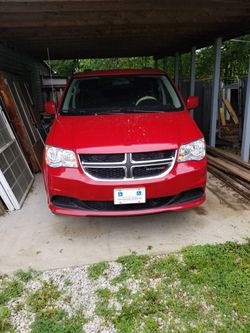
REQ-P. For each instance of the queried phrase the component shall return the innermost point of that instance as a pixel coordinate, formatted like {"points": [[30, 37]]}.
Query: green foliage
{"points": [[104, 293], [225, 269], [204, 62], [10, 290], [204, 288], [43, 297], [145, 304], [122, 294], [151, 326], [234, 62], [115, 63], [132, 266], [96, 270], [162, 267], [201, 289], [68, 67], [58, 322], [65, 67], [5, 324], [102, 307], [25, 276]]}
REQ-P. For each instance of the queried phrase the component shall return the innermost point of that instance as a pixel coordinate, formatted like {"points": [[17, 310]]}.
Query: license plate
{"points": [[125, 196]]}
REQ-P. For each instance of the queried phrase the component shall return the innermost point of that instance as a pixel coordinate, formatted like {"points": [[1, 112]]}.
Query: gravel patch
{"points": [[78, 292], [135, 294]]}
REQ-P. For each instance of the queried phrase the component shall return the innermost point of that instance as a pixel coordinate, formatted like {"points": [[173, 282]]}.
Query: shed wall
{"points": [[30, 69]]}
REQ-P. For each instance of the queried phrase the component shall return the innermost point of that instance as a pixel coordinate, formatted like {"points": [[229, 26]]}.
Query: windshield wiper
{"points": [[76, 112], [142, 111], [107, 111], [93, 112], [112, 111]]}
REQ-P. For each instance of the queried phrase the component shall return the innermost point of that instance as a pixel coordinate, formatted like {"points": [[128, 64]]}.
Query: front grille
{"points": [[149, 171], [102, 158], [108, 206], [127, 166], [106, 173], [153, 155]]}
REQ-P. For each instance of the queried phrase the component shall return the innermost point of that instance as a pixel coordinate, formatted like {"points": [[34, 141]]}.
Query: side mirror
{"points": [[192, 102], [50, 107]]}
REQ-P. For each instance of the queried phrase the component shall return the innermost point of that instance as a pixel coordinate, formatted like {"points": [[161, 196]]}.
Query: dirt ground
{"points": [[33, 237]]}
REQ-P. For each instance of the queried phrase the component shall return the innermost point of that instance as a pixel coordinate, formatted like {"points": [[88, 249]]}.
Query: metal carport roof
{"points": [[111, 28]]}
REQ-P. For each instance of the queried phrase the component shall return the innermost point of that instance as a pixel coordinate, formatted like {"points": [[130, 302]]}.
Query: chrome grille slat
{"points": [[133, 170]]}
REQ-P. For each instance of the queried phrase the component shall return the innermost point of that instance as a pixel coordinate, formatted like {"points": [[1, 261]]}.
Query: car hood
{"points": [[123, 132]]}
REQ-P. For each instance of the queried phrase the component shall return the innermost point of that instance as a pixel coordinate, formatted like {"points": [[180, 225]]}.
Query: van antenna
{"points": [[51, 79]]}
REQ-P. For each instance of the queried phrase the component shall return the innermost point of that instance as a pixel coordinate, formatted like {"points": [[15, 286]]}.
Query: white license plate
{"points": [[125, 196]]}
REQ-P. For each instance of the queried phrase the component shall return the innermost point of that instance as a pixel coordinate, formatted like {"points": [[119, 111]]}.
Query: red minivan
{"points": [[123, 143]]}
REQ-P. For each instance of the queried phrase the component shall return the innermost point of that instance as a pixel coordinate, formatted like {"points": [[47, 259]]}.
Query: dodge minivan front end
{"points": [[123, 144]]}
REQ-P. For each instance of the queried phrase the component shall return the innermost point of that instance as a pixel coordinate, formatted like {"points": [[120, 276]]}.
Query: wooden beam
{"points": [[72, 28], [229, 168], [231, 111], [227, 156], [241, 189], [222, 117], [104, 5]]}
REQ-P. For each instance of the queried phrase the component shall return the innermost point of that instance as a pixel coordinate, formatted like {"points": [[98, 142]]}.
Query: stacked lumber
{"points": [[230, 169]]}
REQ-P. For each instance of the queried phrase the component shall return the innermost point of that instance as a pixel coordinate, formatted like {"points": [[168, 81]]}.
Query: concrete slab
{"points": [[33, 237]]}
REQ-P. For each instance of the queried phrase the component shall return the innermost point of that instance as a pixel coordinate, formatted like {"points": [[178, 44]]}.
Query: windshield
{"points": [[120, 94]]}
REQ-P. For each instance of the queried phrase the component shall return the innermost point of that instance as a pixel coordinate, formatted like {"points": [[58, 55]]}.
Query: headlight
{"points": [[57, 157], [194, 151]]}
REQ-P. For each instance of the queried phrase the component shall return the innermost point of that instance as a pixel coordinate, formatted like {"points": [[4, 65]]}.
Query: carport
{"points": [[99, 29], [32, 31], [144, 278], [85, 29]]}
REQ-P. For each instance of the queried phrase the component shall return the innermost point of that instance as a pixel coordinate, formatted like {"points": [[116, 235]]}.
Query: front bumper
{"points": [[76, 185]]}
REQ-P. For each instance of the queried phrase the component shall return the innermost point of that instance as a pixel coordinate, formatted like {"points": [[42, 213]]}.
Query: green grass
{"points": [[57, 321], [50, 319], [96, 270], [132, 266], [102, 308], [43, 297], [5, 324], [25, 276], [10, 290], [200, 289], [143, 305], [104, 293], [207, 290]]}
